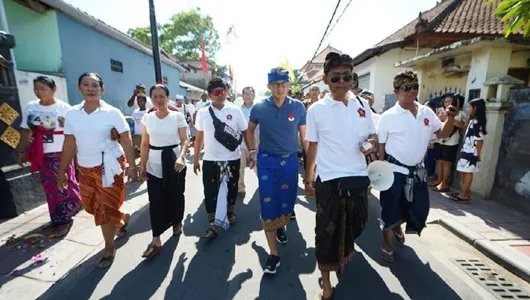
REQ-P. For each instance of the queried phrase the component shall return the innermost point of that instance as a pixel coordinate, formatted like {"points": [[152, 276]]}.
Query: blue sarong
{"points": [[395, 208], [278, 186]]}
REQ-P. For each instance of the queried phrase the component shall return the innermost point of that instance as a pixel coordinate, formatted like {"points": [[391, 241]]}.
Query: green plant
{"points": [[516, 15]]}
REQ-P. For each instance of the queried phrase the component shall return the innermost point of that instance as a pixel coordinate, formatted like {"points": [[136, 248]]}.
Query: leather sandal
{"points": [[400, 238], [387, 255], [123, 230], [152, 251], [210, 234]]}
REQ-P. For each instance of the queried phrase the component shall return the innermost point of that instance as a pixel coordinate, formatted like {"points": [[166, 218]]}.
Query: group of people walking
{"points": [[95, 137]]}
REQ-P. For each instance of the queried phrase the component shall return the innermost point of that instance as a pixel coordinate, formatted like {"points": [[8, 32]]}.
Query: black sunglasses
{"points": [[408, 87], [346, 77]]}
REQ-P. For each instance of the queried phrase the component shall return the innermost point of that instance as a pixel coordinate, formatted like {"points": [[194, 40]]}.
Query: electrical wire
{"points": [[338, 19], [325, 32]]}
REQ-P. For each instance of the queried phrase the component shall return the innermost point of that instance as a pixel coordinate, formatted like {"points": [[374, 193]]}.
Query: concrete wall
{"points": [[512, 180], [434, 81], [37, 37], [88, 50]]}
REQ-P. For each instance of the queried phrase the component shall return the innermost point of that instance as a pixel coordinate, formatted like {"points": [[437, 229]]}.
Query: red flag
{"points": [[204, 63]]}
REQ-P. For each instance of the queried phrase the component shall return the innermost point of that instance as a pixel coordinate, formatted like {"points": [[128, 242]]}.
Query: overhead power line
{"points": [[325, 32], [338, 19]]}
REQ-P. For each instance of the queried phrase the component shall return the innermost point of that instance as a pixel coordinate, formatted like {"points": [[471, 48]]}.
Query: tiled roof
{"points": [[410, 28], [472, 16], [475, 17], [321, 57]]}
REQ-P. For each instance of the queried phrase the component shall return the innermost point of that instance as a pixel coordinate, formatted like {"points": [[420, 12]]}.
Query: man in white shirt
{"points": [[337, 125], [203, 103], [220, 166], [186, 109], [404, 132], [191, 108], [139, 90], [137, 116], [248, 103]]}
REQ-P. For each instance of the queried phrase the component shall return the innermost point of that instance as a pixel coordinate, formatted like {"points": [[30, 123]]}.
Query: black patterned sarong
{"points": [[338, 223]]}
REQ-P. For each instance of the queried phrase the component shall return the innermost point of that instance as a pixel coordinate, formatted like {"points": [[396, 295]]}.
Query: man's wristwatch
{"points": [[308, 181]]}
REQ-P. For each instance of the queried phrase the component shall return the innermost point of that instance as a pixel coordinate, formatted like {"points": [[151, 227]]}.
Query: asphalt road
{"points": [[230, 267]]}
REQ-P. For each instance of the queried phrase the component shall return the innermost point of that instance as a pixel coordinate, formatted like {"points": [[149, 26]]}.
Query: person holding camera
{"points": [[221, 127], [404, 132], [139, 91]]}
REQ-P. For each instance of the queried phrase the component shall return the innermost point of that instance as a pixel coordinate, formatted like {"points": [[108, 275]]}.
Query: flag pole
{"points": [[154, 42]]}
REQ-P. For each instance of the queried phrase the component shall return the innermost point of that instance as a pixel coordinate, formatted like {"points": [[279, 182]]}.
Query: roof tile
{"points": [[410, 28], [465, 17], [472, 16]]}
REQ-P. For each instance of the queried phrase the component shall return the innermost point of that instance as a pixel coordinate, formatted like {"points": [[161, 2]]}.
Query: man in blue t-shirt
{"points": [[281, 119]]}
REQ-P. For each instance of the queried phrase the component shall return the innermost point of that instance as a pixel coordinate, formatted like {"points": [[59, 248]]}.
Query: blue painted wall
{"points": [[87, 50]]}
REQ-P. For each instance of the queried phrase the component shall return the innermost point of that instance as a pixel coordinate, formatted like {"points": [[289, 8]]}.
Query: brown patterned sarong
{"points": [[103, 203], [338, 223]]}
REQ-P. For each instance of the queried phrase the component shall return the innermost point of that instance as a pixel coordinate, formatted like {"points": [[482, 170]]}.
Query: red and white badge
{"points": [[426, 122], [361, 112], [229, 117], [290, 116]]}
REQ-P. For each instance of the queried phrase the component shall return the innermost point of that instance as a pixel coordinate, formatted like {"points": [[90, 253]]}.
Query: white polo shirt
{"points": [[339, 131], [406, 137], [229, 114], [92, 132]]}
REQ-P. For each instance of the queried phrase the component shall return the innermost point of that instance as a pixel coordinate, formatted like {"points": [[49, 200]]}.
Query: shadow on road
{"points": [[144, 280], [413, 274]]}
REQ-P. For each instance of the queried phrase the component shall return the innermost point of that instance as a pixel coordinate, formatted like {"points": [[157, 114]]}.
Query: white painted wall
{"points": [[382, 72], [25, 87]]}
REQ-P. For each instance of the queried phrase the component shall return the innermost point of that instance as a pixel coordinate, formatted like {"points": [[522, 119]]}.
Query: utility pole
{"points": [[154, 42]]}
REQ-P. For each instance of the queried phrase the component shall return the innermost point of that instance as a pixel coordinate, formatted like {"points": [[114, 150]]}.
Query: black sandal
{"points": [[210, 234], [123, 230], [232, 220]]}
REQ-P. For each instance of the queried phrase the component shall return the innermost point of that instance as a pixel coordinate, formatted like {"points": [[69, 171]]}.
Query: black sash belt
{"points": [[168, 157]]}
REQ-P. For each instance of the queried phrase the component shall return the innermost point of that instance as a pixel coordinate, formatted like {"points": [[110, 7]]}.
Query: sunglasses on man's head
{"points": [[346, 77], [408, 87], [218, 92]]}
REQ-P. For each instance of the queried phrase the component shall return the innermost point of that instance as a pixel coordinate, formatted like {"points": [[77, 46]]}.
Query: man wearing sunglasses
{"points": [[281, 120], [220, 165], [404, 132], [337, 125]]}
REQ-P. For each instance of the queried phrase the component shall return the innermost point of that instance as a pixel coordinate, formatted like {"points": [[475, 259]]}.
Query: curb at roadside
{"points": [[490, 249]]}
